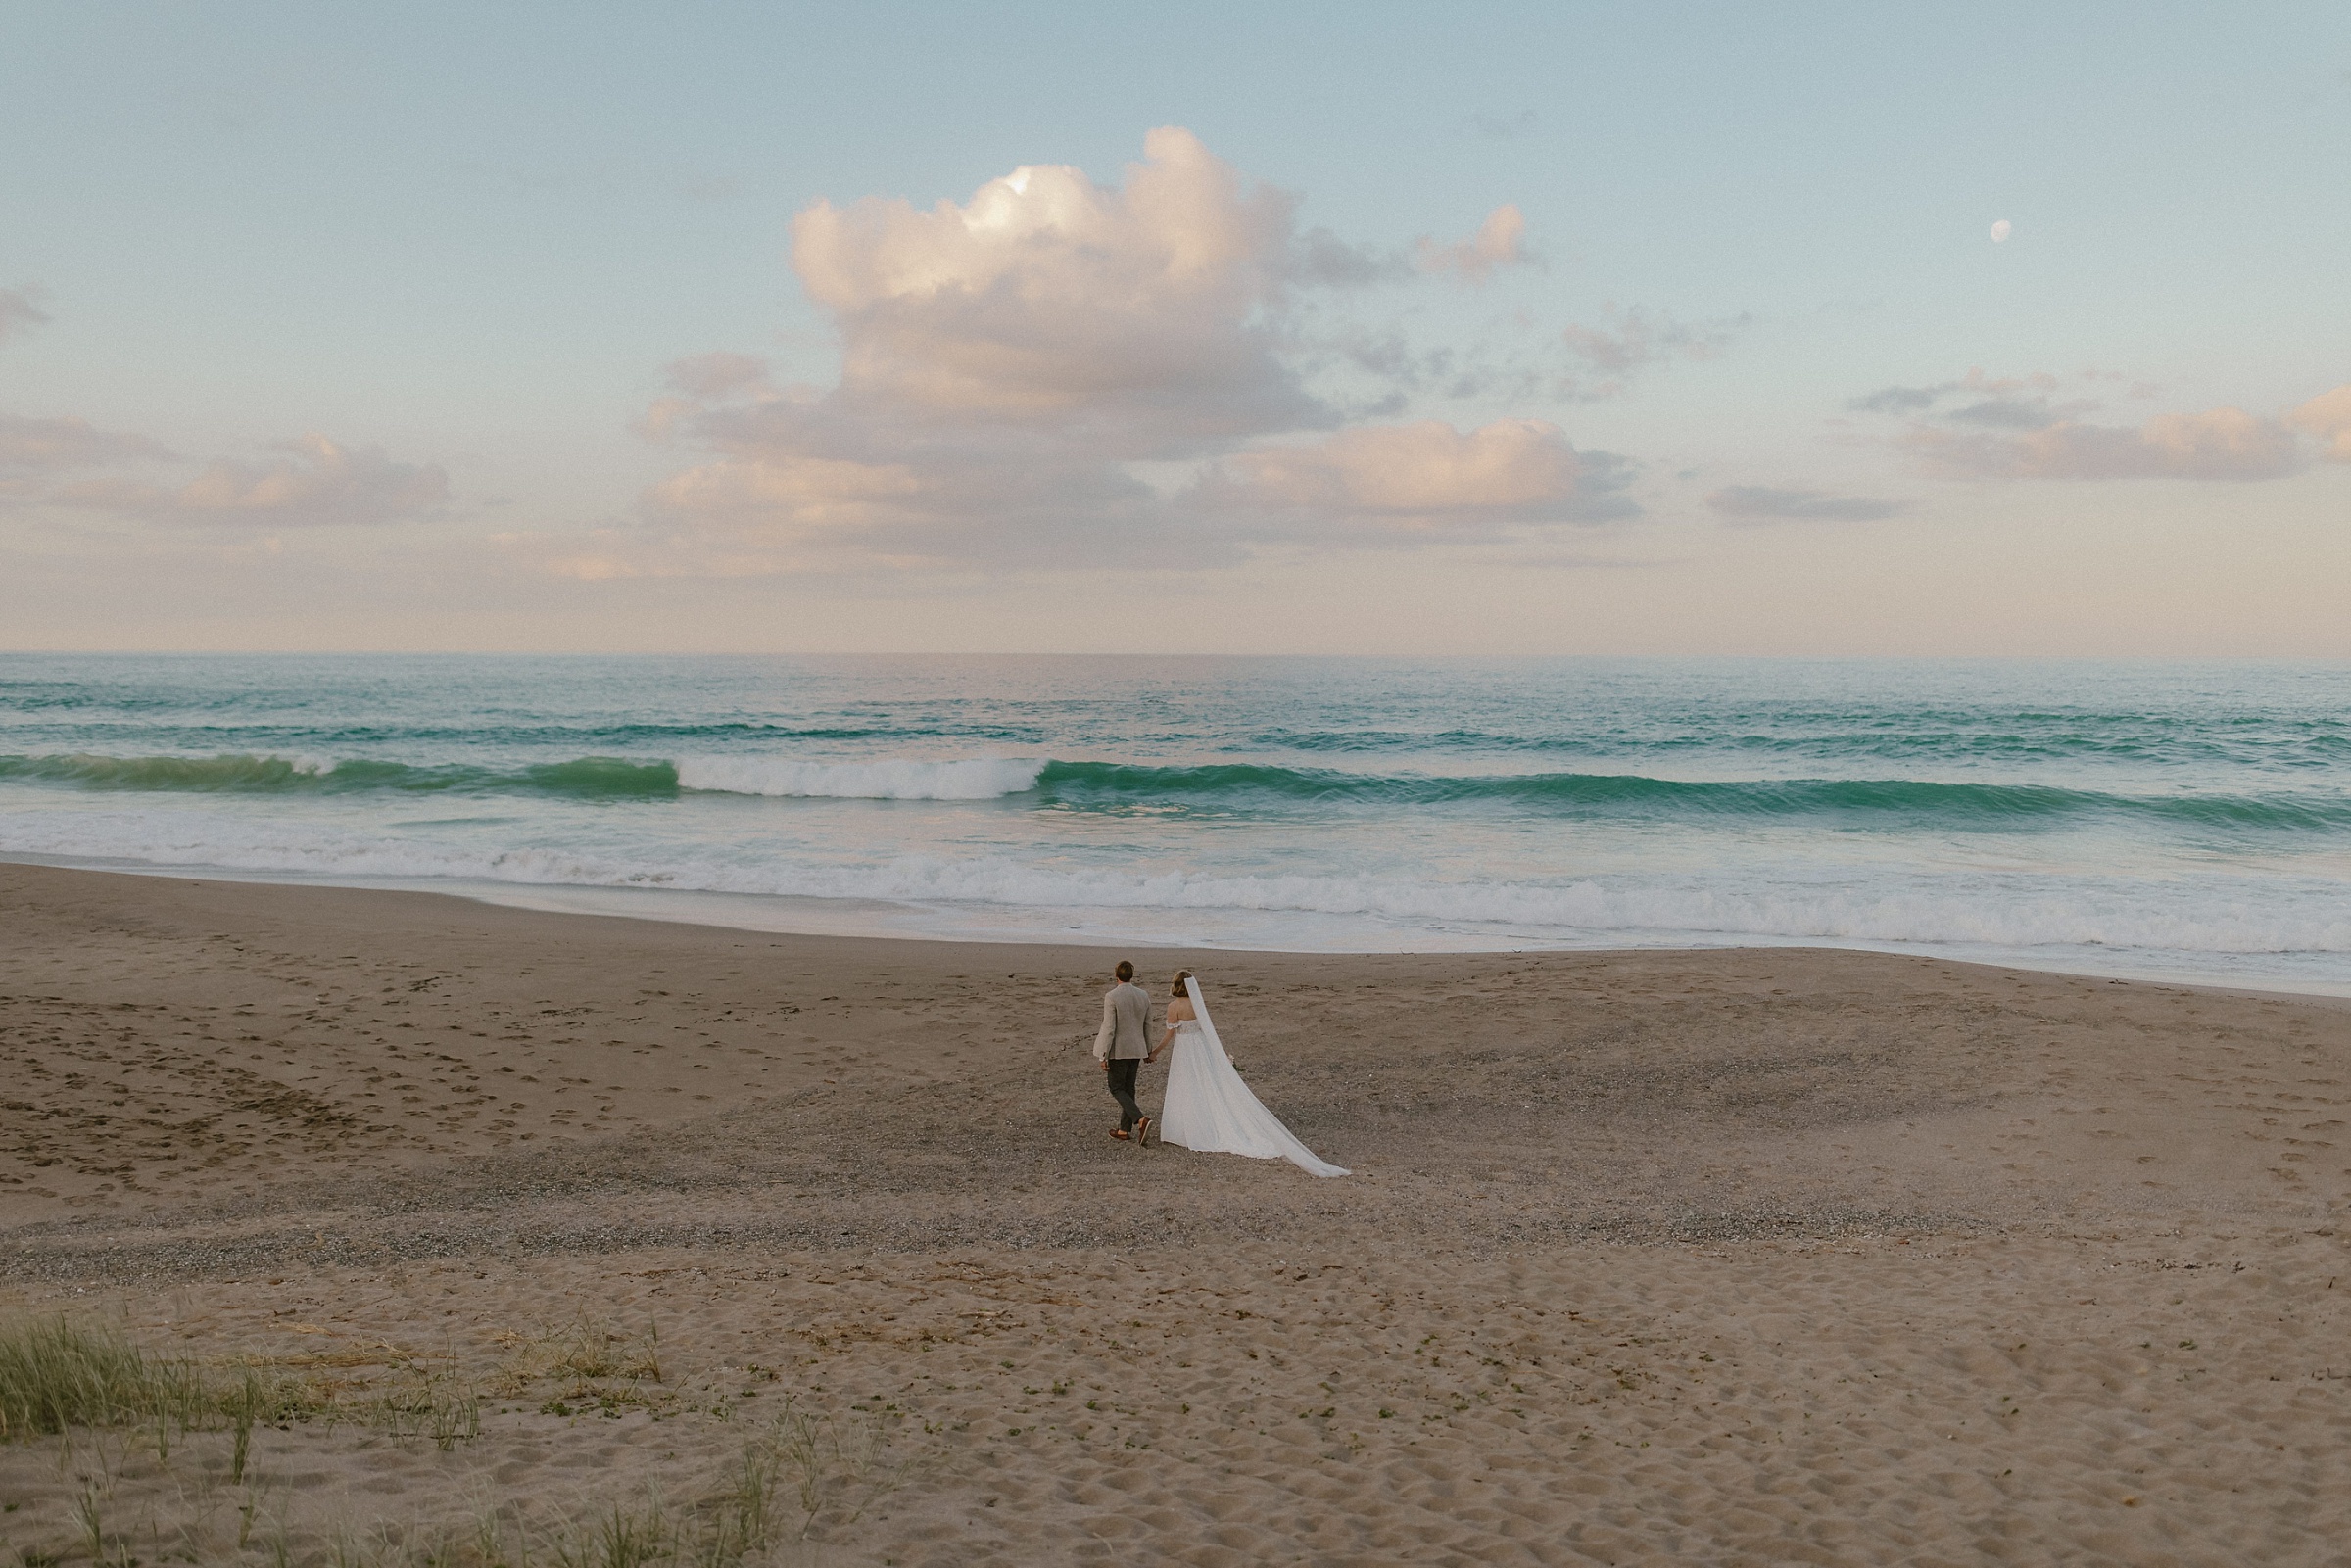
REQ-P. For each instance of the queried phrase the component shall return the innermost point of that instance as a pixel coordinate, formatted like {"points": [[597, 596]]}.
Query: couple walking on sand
{"points": [[1207, 1107]]}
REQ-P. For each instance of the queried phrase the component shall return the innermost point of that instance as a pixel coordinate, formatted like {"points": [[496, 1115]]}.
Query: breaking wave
{"points": [[1235, 788]]}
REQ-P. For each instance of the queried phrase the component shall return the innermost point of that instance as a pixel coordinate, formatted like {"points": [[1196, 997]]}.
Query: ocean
{"points": [[2183, 820]]}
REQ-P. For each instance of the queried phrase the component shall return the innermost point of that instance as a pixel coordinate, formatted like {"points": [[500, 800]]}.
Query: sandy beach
{"points": [[1753, 1256]]}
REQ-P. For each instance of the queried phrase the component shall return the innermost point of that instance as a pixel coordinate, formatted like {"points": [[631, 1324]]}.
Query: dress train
{"points": [[1209, 1109]]}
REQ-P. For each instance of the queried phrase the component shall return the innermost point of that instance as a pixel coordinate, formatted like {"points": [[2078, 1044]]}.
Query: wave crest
{"points": [[884, 779], [238, 773], [235, 771], [2012, 805], [1238, 788]]}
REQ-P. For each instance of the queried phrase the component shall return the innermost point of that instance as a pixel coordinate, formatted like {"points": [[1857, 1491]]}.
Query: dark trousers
{"points": [[1122, 1089]]}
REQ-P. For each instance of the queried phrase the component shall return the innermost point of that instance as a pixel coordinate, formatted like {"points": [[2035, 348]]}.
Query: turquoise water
{"points": [[2192, 820]]}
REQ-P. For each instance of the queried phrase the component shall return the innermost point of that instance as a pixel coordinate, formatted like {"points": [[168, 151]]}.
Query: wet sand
{"points": [[1755, 1255]]}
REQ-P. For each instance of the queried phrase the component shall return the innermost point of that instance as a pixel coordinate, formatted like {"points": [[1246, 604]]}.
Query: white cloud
{"points": [[2327, 416], [319, 483], [1011, 363], [1136, 315], [1500, 241]]}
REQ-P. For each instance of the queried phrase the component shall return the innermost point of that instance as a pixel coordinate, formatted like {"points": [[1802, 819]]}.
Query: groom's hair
{"points": [[1124, 970]]}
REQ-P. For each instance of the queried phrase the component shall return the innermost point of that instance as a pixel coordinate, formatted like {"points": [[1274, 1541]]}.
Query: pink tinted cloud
{"points": [[319, 483], [2327, 416], [1979, 427], [1427, 475], [1500, 242], [1134, 313], [2215, 445], [1006, 358], [68, 443]]}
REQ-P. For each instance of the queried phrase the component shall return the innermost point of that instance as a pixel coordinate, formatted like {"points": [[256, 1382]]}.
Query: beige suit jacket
{"points": [[1125, 1024]]}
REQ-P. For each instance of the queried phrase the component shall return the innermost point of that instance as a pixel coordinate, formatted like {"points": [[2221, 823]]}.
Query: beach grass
{"points": [[169, 1460], [756, 1512], [57, 1374], [584, 1355]]}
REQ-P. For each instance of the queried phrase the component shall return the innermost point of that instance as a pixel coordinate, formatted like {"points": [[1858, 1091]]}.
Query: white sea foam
{"points": [[2019, 910], [533, 781], [888, 779]]}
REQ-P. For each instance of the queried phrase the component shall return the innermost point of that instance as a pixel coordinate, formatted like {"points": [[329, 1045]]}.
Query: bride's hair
{"points": [[1181, 976]]}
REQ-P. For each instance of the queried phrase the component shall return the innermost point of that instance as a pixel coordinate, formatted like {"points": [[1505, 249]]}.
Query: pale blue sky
{"points": [[476, 237]]}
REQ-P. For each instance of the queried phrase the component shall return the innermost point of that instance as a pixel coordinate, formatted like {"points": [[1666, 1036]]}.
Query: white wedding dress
{"points": [[1209, 1109]]}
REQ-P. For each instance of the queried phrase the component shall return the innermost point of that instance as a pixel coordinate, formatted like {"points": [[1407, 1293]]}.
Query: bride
{"points": [[1208, 1107]]}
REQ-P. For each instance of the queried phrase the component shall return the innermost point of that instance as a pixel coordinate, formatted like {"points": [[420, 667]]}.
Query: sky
{"points": [[1482, 329]]}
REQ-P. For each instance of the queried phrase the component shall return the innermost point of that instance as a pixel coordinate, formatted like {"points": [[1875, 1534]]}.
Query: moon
{"points": [[2002, 230]]}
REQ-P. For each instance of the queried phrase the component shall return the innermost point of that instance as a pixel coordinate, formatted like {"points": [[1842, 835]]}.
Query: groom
{"points": [[1121, 1046]]}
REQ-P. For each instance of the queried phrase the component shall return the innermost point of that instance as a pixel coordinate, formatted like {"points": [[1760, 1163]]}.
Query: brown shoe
{"points": [[1142, 1132], [1118, 1133]]}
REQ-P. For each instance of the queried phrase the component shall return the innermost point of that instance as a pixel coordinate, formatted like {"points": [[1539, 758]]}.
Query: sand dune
{"points": [[1745, 1257]]}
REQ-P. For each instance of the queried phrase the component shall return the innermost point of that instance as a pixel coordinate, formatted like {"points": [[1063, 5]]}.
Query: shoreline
{"points": [[1764, 1253], [703, 908]]}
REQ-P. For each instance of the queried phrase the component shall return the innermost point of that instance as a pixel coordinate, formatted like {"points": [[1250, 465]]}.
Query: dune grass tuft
{"points": [[56, 1374]]}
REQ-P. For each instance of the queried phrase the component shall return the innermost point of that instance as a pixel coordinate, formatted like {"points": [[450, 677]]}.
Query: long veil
{"points": [[1191, 988], [1271, 1137]]}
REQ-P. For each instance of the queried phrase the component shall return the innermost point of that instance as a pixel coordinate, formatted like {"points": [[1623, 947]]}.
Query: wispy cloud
{"points": [[1500, 242], [318, 484], [1898, 400], [60, 444], [1630, 339], [2218, 443], [1978, 401], [20, 310], [1983, 427], [1762, 503], [1575, 364], [1988, 390], [2012, 414]]}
